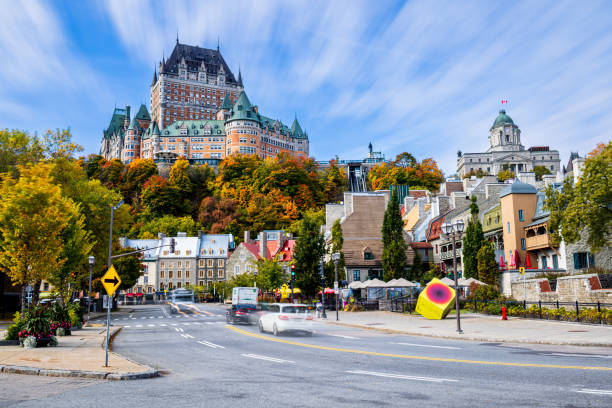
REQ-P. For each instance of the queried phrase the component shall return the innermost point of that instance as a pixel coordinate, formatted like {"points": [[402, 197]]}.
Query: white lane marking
{"points": [[209, 322], [272, 359], [209, 344], [184, 335], [133, 318], [176, 329], [578, 355], [142, 318], [403, 377], [127, 326], [160, 317], [139, 325], [151, 325], [125, 318], [131, 315], [173, 324], [427, 345], [186, 324], [151, 317], [181, 330], [189, 336], [598, 392], [343, 336], [163, 324]]}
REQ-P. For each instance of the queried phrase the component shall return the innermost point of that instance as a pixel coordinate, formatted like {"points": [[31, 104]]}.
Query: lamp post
{"points": [[92, 260], [255, 278], [336, 257], [110, 299], [454, 231], [322, 272]]}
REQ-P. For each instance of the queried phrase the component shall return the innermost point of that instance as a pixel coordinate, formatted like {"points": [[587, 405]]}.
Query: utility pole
{"points": [[92, 260], [110, 299], [336, 257]]}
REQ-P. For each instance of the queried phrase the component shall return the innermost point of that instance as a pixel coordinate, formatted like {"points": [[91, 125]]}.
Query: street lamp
{"points": [[322, 272], [336, 257], [255, 278], [92, 260], [454, 231]]}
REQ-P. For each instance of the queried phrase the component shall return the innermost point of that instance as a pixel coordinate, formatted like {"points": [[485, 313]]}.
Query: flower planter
{"points": [[42, 342]]}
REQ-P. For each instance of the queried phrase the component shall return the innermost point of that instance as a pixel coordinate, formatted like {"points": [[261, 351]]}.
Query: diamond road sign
{"points": [[111, 280]]}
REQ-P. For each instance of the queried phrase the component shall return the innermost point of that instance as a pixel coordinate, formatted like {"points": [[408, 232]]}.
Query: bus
{"points": [[181, 300]]}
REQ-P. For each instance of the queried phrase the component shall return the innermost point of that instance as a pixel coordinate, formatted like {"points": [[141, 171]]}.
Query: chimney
{"points": [[126, 121], [181, 234], [161, 236], [247, 236], [263, 245], [281, 239]]}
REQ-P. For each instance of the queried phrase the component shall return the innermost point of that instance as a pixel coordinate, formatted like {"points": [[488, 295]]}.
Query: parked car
{"points": [[247, 314], [286, 317]]}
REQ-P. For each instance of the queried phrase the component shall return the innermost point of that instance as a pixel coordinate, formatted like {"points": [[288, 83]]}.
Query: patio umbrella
{"points": [[502, 264], [527, 261], [355, 285], [328, 291], [462, 282], [401, 283], [373, 283], [517, 258], [472, 280], [447, 281]]}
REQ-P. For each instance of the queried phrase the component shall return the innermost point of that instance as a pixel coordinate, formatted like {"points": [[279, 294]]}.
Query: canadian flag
{"points": [[504, 101]]}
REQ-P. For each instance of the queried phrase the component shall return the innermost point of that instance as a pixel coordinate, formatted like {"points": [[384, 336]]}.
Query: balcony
{"points": [[538, 242], [446, 255]]}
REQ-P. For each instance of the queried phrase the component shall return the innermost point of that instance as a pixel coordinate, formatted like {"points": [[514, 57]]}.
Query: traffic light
{"points": [[172, 245], [292, 271]]}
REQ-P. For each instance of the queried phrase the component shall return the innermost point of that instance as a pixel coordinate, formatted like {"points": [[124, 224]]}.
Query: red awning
{"points": [[129, 294], [139, 294]]}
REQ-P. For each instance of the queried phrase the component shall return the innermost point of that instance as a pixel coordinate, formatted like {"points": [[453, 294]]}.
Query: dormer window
{"points": [[368, 256]]}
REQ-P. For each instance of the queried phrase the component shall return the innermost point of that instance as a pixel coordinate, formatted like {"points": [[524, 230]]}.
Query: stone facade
{"points": [[581, 288]]}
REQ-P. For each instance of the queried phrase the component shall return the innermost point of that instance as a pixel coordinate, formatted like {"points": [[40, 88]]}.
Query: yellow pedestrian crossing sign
{"points": [[522, 270], [111, 281]]}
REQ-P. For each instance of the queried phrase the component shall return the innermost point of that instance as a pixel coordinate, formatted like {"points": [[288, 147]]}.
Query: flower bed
{"points": [[586, 315]]}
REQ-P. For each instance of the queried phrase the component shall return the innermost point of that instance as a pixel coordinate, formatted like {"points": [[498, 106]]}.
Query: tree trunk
{"points": [[36, 292], [24, 300]]}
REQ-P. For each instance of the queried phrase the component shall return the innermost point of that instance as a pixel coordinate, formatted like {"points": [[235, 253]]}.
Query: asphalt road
{"points": [[209, 363]]}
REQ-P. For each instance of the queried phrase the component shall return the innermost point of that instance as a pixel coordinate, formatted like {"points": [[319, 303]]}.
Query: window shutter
{"points": [[591, 260], [576, 261]]}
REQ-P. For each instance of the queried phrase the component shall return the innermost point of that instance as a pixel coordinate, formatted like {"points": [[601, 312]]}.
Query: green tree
{"points": [[33, 216], [472, 242], [269, 274], [488, 271], [540, 171], [129, 268], [18, 148], [394, 244], [586, 207], [308, 252], [160, 198], [416, 270], [337, 242], [167, 224], [180, 184], [433, 272]]}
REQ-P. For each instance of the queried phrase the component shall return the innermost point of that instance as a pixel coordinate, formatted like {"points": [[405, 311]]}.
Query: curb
{"points": [[99, 375], [479, 339]]}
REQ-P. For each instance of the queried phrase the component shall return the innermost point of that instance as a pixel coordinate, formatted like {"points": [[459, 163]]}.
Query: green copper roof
{"points": [[296, 130], [195, 128], [143, 113], [243, 110], [116, 123], [227, 103], [502, 119], [134, 124]]}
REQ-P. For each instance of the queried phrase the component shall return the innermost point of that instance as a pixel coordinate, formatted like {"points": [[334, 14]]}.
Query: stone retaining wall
{"points": [[581, 288]]}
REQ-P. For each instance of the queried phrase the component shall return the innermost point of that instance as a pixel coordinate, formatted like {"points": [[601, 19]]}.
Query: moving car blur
{"points": [[286, 317], [247, 314], [181, 301]]}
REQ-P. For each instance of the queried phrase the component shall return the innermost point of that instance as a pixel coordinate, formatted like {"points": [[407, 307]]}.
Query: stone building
{"points": [[270, 245], [361, 217], [197, 260], [506, 151]]}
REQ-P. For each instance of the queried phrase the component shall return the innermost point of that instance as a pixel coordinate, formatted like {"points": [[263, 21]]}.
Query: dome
{"points": [[502, 119], [518, 187]]}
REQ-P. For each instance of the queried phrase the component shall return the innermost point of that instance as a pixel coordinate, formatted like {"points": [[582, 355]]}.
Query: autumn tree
{"points": [[33, 216], [59, 143], [137, 172], [309, 250], [405, 170], [201, 178], [540, 171], [18, 148], [394, 244], [159, 198], [488, 271], [472, 242], [505, 174], [167, 224], [219, 215], [584, 208], [181, 186]]}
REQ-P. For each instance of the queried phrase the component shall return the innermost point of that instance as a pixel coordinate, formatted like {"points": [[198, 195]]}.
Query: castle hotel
{"points": [[199, 111]]}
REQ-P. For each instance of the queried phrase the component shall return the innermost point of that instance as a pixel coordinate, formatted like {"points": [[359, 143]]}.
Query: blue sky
{"points": [[419, 76]]}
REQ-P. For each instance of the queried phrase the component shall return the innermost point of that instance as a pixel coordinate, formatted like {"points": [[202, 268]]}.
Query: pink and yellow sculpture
{"points": [[436, 300]]}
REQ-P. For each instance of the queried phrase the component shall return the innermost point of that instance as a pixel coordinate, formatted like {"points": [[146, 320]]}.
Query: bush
{"points": [[483, 292], [12, 332]]}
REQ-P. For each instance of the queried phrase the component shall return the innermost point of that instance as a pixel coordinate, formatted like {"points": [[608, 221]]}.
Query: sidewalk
{"points": [[79, 355], [478, 327]]}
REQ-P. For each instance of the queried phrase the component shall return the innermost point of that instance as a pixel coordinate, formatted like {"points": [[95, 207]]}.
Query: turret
{"points": [[126, 121]]}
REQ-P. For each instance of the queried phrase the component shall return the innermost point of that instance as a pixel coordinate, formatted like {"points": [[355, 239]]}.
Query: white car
{"points": [[286, 317]]}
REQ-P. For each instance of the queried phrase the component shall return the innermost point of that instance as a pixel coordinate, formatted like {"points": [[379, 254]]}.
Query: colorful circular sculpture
{"points": [[436, 300]]}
